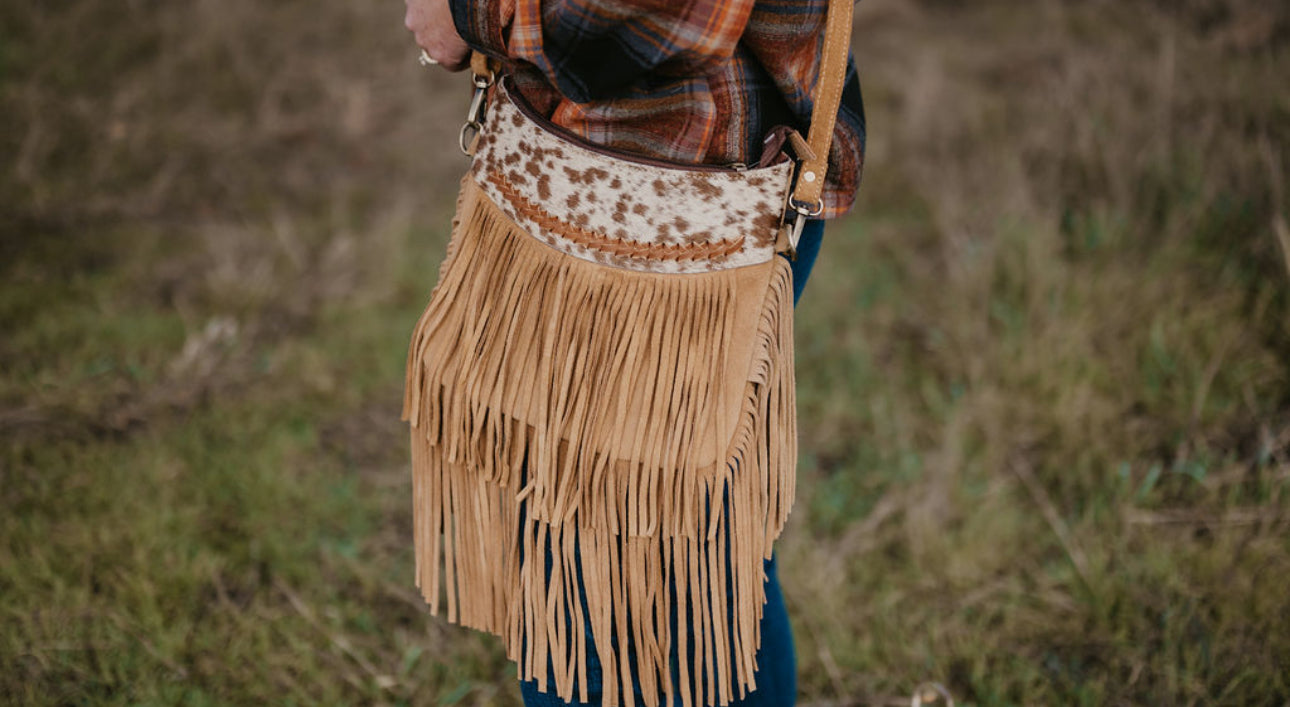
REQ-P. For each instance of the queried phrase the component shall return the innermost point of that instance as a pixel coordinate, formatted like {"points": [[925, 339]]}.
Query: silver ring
{"points": [[425, 59]]}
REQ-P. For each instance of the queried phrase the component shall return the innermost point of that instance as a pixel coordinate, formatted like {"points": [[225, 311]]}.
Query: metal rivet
{"points": [[808, 176]]}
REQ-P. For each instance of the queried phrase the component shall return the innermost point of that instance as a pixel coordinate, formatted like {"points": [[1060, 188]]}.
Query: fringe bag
{"points": [[601, 400]]}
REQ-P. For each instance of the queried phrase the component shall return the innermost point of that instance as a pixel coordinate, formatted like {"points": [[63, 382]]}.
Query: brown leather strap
{"points": [[483, 65], [824, 115]]}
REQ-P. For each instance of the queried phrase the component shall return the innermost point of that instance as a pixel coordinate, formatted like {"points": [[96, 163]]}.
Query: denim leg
{"points": [[776, 657], [776, 675], [808, 248]]}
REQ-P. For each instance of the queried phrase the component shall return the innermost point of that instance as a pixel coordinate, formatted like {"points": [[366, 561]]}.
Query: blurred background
{"points": [[1044, 366]]}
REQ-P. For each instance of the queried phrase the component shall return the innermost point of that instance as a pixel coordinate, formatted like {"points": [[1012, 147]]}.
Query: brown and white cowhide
{"points": [[624, 213]]}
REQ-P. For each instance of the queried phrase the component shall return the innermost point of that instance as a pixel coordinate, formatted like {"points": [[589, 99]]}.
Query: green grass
{"points": [[1044, 369]]}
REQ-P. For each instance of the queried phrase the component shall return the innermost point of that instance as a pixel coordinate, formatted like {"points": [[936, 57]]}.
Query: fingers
{"points": [[431, 22]]}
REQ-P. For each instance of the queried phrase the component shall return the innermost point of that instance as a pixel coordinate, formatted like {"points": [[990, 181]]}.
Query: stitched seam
{"points": [[716, 250]]}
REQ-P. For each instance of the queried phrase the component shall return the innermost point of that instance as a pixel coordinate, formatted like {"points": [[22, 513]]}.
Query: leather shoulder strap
{"points": [[824, 115]]}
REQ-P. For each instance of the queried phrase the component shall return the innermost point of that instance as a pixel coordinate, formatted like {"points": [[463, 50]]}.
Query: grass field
{"points": [[1044, 368]]}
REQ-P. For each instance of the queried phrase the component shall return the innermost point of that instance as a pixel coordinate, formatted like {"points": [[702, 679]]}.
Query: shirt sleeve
{"points": [[595, 49], [483, 24]]}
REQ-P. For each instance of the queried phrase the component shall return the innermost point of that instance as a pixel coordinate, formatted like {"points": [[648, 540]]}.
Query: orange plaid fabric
{"points": [[689, 81]]}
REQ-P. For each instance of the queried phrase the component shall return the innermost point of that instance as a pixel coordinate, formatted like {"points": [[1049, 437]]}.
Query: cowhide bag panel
{"points": [[621, 212]]}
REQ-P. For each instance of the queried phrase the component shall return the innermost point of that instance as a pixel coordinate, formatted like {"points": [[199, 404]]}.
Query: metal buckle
{"points": [[474, 114]]}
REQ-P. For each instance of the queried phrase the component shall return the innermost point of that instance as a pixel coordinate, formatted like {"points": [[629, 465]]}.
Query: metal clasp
{"points": [[474, 114], [795, 218], [797, 212], [794, 226]]}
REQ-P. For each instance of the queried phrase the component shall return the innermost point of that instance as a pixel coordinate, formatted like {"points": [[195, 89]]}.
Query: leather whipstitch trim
{"points": [[594, 240]]}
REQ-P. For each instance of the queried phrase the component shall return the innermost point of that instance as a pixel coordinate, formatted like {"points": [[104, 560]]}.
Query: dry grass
{"points": [[1043, 369]]}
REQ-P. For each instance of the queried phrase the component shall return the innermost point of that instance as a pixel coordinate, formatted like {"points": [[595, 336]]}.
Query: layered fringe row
{"points": [[601, 460]]}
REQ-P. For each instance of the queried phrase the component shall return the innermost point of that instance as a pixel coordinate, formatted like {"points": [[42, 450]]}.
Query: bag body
{"points": [[603, 414]]}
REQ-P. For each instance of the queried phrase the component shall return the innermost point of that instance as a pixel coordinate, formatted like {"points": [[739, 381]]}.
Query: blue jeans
{"points": [[776, 658]]}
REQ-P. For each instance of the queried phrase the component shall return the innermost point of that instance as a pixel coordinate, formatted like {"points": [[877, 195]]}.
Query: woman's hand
{"points": [[431, 22]]}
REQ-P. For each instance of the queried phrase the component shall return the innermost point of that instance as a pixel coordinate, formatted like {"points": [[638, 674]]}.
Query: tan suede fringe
{"points": [[599, 416]]}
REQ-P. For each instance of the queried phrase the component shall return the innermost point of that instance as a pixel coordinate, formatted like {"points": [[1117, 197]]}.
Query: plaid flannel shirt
{"points": [[688, 81]]}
